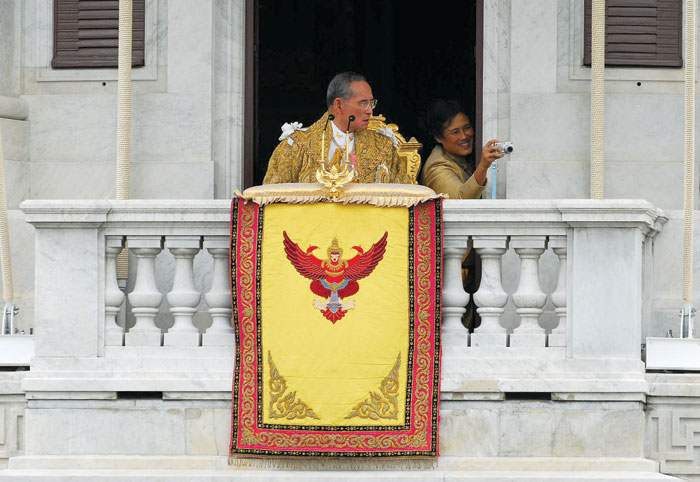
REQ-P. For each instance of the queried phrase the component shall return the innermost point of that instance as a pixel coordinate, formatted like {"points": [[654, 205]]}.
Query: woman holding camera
{"points": [[447, 169]]}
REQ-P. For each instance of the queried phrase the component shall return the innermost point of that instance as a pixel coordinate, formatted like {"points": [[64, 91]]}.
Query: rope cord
{"points": [[7, 285], [124, 99], [124, 116], [597, 98], [689, 191]]}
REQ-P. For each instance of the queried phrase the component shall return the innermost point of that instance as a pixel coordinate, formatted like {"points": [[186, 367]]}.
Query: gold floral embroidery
{"points": [[245, 269], [285, 406], [298, 162], [424, 296], [381, 405]]}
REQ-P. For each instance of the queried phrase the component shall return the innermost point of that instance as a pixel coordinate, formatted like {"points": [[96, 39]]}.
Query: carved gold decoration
{"points": [[285, 406], [333, 180], [408, 150], [381, 405]]}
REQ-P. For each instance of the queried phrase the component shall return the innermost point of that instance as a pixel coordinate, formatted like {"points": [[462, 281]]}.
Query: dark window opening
{"points": [[139, 395], [528, 396], [409, 54]]}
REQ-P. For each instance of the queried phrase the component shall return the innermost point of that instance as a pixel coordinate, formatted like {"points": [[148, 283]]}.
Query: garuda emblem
{"points": [[334, 279]]}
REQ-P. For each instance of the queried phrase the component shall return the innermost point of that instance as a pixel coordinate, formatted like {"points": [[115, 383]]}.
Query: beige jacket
{"points": [[445, 173]]}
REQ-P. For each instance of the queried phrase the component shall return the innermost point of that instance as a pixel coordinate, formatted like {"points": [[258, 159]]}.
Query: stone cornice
{"points": [[545, 216]]}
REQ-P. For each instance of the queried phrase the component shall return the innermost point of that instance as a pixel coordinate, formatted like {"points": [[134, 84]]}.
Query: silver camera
{"points": [[505, 147]]}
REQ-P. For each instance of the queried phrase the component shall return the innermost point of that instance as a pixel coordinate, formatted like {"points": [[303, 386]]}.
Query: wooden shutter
{"points": [[86, 33], [639, 33]]}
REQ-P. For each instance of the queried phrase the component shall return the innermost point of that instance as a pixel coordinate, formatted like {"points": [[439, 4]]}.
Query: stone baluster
{"points": [[454, 298], [220, 333], [183, 297], [529, 297], [490, 298], [145, 298], [558, 335], [114, 297]]}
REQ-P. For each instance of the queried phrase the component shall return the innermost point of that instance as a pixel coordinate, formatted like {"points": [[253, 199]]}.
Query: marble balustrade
{"points": [[145, 299], [600, 235], [529, 299], [562, 283]]}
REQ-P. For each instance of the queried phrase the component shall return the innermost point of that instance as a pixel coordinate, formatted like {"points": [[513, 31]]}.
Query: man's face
{"points": [[359, 105], [335, 257]]}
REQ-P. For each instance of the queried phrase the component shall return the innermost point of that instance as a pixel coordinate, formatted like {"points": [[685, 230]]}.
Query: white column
{"points": [[529, 297], [184, 297], [220, 333], [114, 297], [490, 298], [145, 299], [558, 335], [454, 298]]}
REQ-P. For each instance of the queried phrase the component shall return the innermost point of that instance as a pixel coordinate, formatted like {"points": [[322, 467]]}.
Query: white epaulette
{"points": [[288, 129], [388, 132]]}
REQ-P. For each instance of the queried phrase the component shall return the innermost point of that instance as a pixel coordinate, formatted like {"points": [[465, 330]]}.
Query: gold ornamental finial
{"points": [[334, 180]]}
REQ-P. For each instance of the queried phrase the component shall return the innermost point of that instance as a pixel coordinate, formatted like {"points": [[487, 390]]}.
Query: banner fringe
{"points": [[380, 195], [320, 463]]}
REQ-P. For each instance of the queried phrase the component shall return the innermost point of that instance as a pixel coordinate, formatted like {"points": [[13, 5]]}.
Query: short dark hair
{"points": [[339, 86], [440, 113]]}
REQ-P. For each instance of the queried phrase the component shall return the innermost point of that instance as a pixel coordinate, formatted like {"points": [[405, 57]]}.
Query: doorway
{"points": [[410, 56]]}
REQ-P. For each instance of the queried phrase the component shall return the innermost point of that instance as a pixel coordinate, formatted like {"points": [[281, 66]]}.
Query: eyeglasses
{"points": [[366, 103]]}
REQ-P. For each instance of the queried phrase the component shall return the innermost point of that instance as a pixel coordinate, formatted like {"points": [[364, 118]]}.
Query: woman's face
{"points": [[458, 136]]}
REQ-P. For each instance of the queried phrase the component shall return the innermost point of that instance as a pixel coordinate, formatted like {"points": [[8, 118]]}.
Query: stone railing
{"points": [[145, 299], [591, 256], [591, 241]]}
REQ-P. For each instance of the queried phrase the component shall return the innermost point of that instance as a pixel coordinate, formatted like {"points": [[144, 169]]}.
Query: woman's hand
{"points": [[489, 153]]}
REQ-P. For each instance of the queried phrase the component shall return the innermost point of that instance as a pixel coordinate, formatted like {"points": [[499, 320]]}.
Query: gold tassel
{"points": [[319, 463]]}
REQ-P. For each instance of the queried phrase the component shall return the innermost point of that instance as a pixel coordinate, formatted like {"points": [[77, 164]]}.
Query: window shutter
{"points": [[86, 33], [639, 33]]}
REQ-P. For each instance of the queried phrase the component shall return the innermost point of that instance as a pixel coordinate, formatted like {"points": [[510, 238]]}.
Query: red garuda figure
{"points": [[334, 278]]}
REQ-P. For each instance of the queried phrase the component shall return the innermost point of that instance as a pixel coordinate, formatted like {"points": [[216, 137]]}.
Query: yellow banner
{"points": [[334, 351]]}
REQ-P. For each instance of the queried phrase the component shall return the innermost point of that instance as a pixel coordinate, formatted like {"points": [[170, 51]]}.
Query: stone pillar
{"points": [[145, 299], [114, 297], [69, 277], [558, 335], [529, 297], [219, 296], [184, 297], [490, 298], [606, 257], [454, 298]]}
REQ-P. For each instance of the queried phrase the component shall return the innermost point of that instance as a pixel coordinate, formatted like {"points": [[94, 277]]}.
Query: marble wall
{"points": [[543, 106], [187, 115], [12, 406], [7, 48], [673, 424], [467, 429], [14, 132], [537, 94], [186, 107]]}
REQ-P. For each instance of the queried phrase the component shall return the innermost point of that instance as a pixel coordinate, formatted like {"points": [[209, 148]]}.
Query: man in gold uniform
{"points": [[371, 155]]}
